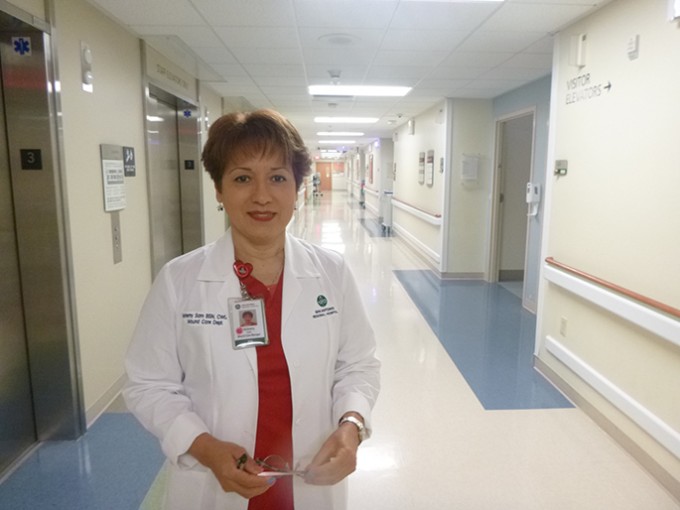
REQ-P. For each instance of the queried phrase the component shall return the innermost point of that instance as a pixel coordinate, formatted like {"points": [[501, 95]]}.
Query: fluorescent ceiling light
{"points": [[154, 118], [346, 120], [340, 133], [358, 90], [457, 1], [341, 142]]}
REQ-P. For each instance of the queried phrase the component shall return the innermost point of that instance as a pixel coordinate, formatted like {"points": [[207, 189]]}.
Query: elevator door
{"points": [[165, 183], [174, 176], [17, 426]]}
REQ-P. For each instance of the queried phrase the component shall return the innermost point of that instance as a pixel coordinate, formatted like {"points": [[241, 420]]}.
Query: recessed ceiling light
{"points": [[338, 39], [358, 90], [346, 120], [338, 142]]}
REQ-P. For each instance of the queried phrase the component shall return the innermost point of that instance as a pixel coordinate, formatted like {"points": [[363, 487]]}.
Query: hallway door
{"points": [[17, 425], [325, 171], [514, 160]]}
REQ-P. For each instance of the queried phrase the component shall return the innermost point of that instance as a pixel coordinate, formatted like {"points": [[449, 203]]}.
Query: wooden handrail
{"points": [[417, 208], [617, 288]]}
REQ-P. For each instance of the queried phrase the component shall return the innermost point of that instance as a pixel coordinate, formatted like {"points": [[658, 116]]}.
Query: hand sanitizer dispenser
{"points": [[533, 197]]}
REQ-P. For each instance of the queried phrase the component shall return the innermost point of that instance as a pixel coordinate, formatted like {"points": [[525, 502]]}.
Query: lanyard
{"points": [[243, 271]]}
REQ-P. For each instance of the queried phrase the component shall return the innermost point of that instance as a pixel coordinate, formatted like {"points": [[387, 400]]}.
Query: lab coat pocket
{"points": [[187, 488]]}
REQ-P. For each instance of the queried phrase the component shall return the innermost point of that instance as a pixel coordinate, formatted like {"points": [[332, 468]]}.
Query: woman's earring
{"points": [[220, 207]]}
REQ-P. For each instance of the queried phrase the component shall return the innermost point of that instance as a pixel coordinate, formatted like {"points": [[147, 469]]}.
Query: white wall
{"points": [[108, 296], [616, 215]]}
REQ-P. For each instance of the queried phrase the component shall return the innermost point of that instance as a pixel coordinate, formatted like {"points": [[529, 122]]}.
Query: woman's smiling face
{"points": [[258, 193]]}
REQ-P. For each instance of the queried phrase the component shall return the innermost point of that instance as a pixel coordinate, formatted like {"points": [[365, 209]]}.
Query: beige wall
{"points": [[616, 215], [108, 295], [472, 135], [33, 7], [430, 134], [214, 221]]}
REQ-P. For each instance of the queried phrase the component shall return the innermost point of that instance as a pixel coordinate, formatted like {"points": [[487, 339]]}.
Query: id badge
{"points": [[248, 323]]}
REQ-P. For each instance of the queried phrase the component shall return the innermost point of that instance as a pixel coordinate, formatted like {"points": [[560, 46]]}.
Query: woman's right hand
{"points": [[222, 458]]}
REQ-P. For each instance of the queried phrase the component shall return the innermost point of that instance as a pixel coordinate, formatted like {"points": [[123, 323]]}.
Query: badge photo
{"points": [[248, 323]]}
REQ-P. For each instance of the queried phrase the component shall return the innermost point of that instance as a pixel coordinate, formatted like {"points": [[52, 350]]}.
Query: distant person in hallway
{"points": [[224, 403]]}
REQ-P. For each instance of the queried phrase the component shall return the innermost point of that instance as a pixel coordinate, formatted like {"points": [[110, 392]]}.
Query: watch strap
{"points": [[361, 428]]}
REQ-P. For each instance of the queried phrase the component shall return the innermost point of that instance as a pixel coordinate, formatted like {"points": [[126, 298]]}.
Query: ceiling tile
{"points": [[422, 40], [152, 12], [394, 57], [251, 13], [476, 59], [266, 55], [283, 70], [347, 13], [525, 17], [441, 15], [500, 41], [258, 37]]}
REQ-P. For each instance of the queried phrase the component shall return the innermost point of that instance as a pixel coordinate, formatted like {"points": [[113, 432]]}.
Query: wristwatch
{"points": [[363, 433]]}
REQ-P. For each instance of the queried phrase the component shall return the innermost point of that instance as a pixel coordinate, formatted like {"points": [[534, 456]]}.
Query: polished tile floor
{"points": [[463, 421]]}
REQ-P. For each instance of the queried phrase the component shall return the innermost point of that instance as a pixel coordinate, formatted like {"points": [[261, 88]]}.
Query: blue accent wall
{"points": [[534, 95]]}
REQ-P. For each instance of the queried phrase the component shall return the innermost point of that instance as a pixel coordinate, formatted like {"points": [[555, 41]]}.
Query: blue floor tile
{"points": [[109, 468], [489, 337]]}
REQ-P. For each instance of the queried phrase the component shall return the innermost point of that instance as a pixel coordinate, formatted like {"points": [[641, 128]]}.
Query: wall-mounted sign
{"points": [[469, 168], [421, 168], [113, 177], [429, 169], [31, 159], [129, 161]]}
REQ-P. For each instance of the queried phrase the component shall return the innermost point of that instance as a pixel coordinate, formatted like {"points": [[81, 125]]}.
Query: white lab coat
{"points": [[185, 378]]}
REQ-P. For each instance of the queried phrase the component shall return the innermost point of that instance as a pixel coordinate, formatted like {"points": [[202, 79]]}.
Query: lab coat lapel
{"points": [[298, 267], [218, 267]]}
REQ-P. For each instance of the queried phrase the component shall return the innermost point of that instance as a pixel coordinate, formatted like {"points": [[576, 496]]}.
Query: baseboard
{"points": [[665, 479], [104, 401], [511, 275], [461, 276]]}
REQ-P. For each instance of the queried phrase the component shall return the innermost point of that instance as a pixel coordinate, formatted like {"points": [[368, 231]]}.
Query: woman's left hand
{"points": [[336, 459]]}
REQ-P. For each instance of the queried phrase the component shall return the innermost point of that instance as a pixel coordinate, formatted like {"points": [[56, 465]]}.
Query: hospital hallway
{"points": [[463, 420]]}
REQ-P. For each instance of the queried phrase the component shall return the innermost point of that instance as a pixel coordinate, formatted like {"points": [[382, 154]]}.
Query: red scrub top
{"points": [[275, 410]]}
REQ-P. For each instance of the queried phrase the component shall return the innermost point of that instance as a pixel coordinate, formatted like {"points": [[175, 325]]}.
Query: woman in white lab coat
{"points": [[267, 416]]}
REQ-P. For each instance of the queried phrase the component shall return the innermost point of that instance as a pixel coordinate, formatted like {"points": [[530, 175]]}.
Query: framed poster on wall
{"points": [[429, 169], [421, 168]]}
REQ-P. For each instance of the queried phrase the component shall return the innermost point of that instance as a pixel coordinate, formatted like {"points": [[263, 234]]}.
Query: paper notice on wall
{"points": [[113, 176]]}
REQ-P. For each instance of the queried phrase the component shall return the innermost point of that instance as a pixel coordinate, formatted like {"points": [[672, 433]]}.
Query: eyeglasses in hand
{"points": [[275, 465]]}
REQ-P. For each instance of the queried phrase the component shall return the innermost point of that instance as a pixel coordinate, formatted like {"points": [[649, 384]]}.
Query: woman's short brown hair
{"points": [[262, 132]]}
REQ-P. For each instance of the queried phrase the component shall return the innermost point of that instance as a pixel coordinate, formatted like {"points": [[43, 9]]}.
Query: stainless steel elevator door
{"points": [[164, 182], [17, 423]]}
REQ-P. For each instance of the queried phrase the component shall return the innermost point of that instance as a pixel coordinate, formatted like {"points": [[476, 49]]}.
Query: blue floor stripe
{"points": [[109, 468], [489, 337]]}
